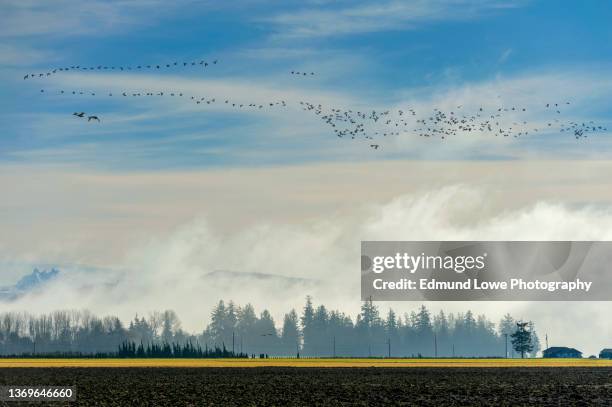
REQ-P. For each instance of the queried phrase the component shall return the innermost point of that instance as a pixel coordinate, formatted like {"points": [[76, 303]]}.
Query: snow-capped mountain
{"points": [[28, 283]]}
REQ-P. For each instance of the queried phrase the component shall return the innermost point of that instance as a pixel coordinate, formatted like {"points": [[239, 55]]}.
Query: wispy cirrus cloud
{"points": [[24, 55], [30, 29], [324, 19], [26, 18]]}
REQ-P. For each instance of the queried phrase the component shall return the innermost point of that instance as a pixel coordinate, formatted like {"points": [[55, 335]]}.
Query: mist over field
{"points": [[188, 263]]}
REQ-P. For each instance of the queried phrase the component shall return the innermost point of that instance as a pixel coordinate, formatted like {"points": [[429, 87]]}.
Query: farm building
{"points": [[606, 353], [561, 352]]}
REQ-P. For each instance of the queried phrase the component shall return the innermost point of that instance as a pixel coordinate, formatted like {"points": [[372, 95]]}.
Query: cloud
{"points": [[504, 56], [62, 18], [24, 55], [25, 18], [324, 19]]}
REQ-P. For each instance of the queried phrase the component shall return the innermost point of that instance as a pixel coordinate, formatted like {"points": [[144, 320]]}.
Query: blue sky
{"points": [[383, 55]]}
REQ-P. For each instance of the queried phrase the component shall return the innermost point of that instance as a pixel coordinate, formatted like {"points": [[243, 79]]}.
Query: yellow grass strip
{"points": [[443, 363]]}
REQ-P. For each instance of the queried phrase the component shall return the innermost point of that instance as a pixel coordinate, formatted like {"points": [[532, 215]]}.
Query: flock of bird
{"points": [[302, 73], [194, 99], [89, 118], [500, 121], [143, 67], [511, 121]]}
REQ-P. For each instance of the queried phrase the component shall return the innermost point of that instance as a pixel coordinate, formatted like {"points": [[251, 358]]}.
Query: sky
{"points": [[163, 189], [423, 54]]}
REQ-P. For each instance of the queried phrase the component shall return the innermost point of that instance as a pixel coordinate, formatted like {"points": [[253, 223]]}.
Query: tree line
{"points": [[236, 330]]}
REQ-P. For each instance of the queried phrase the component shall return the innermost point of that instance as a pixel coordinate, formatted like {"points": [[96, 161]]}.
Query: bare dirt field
{"points": [[323, 386]]}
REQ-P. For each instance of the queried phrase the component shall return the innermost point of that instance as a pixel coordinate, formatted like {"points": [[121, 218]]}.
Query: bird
{"points": [[81, 114], [90, 118], [351, 124]]}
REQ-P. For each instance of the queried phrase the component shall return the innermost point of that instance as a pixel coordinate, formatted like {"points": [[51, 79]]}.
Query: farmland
{"points": [[307, 362], [278, 385]]}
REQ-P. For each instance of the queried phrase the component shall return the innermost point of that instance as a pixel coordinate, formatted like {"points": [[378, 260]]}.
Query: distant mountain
{"points": [[28, 283]]}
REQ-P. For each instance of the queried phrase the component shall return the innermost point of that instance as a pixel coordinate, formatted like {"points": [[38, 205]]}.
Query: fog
{"points": [[187, 258]]}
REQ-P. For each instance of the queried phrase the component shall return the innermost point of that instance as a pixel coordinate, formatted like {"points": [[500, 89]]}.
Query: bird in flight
{"points": [[90, 118], [78, 114]]}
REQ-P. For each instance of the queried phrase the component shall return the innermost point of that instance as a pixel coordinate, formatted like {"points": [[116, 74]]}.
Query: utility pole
{"points": [[546, 341], [435, 345], [506, 355], [233, 341], [334, 346], [389, 344]]}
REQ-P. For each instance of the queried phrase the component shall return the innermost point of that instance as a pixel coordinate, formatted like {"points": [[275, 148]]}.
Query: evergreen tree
{"points": [[266, 339], [469, 322], [391, 324], [369, 313], [423, 321], [307, 328], [442, 330], [291, 333], [507, 325], [245, 327], [321, 343], [521, 339], [231, 319], [217, 325]]}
